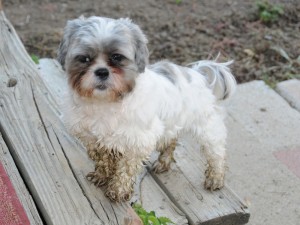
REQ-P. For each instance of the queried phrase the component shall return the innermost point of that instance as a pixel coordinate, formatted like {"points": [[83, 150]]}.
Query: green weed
{"points": [[269, 13], [35, 58], [149, 218]]}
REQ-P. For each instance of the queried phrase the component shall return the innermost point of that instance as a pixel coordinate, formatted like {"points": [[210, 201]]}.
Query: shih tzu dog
{"points": [[122, 109]]}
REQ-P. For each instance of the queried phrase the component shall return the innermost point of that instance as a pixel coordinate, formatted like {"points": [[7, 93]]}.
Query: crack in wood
{"points": [[40, 116]]}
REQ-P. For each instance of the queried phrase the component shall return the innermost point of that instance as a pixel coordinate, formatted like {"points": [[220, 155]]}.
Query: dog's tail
{"points": [[219, 77]]}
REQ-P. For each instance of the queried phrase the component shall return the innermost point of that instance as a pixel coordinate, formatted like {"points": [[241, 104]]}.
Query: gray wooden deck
{"points": [[47, 166]]}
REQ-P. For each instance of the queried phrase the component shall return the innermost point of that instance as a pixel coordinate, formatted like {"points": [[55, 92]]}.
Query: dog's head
{"points": [[103, 56]]}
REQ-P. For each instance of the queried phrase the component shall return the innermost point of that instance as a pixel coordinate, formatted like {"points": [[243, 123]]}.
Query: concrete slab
{"points": [[264, 132], [290, 90]]}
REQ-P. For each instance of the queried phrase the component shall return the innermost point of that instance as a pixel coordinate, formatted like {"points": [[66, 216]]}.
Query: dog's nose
{"points": [[102, 73]]}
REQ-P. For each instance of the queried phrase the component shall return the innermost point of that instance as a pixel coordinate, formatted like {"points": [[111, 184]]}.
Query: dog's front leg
{"points": [[120, 186], [105, 165]]}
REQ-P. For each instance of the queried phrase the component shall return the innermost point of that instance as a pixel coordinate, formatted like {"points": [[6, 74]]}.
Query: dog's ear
{"points": [[69, 31], [140, 44]]}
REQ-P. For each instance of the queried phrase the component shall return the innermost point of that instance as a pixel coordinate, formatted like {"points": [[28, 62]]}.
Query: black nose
{"points": [[102, 73]]}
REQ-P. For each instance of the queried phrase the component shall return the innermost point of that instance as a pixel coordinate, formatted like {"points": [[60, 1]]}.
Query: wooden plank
{"points": [[39, 144], [153, 198], [54, 78], [147, 192], [184, 185], [20, 188]]}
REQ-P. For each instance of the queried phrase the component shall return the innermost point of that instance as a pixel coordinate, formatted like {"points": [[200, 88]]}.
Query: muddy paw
{"points": [[118, 196], [214, 180], [161, 166], [97, 178], [93, 154]]}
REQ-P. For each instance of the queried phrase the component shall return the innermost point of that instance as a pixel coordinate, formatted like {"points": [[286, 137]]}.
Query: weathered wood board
{"points": [[184, 184], [19, 186]]}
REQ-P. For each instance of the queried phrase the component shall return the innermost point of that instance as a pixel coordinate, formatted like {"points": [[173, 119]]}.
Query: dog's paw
{"points": [[118, 196], [93, 153], [214, 180], [161, 166], [97, 178]]}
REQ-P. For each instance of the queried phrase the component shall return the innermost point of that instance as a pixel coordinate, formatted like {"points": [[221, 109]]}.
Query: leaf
{"points": [[165, 220], [149, 218], [152, 213], [139, 209], [262, 5], [35, 58], [266, 16], [277, 10], [154, 220]]}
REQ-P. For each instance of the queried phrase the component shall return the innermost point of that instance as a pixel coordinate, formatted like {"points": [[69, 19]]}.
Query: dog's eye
{"points": [[116, 58], [83, 58]]}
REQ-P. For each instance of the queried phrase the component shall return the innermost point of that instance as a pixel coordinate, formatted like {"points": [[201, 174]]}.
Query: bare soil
{"points": [[181, 31]]}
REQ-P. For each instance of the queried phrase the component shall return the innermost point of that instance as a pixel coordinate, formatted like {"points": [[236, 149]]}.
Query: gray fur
{"points": [[164, 69], [140, 41], [92, 34], [69, 31], [218, 76]]}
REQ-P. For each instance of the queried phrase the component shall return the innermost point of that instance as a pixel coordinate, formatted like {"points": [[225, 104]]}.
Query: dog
{"points": [[121, 108]]}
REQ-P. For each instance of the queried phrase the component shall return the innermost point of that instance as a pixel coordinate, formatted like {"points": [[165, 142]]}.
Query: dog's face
{"points": [[103, 56]]}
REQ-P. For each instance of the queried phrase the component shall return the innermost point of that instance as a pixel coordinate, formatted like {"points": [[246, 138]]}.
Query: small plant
{"points": [[149, 218], [35, 58], [178, 1], [268, 13]]}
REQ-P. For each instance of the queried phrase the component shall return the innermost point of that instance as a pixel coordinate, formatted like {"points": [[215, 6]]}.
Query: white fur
{"points": [[156, 110], [139, 108]]}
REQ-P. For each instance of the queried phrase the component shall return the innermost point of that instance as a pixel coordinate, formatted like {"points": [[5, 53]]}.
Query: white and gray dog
{"points": [[122, 109]]}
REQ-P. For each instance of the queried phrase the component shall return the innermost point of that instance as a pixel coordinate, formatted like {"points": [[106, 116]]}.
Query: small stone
{"points": [[263, 109]]}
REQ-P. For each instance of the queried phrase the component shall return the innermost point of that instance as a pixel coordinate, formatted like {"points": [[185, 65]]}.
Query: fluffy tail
{"points": [[219, 77]]}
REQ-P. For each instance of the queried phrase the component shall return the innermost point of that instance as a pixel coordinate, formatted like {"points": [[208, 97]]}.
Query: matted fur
{"points": [[139, 108]]}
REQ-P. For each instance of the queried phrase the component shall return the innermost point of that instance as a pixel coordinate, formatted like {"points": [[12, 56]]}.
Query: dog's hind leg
{"points": [[212, 135], [166, 157]]}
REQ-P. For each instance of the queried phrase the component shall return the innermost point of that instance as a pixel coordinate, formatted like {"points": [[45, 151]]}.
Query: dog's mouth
{"points": [[101, 87]]}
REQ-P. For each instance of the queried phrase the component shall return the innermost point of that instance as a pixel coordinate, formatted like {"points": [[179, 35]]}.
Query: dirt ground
{"points": [[181, 31]]}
